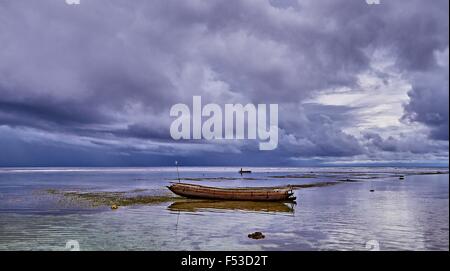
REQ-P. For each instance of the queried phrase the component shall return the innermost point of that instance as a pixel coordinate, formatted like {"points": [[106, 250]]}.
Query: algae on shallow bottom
{"points": [[96, 199], [310, 185], [295, 176]]}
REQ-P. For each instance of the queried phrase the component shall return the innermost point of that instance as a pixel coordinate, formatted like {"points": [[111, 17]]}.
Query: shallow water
{"points": [[410, 214]]}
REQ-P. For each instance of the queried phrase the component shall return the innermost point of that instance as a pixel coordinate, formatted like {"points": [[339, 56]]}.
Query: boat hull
{"points": [[245, 194]]}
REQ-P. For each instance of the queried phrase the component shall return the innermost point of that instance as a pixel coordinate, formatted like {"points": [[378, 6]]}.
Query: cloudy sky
{"points": [[92, 84]]}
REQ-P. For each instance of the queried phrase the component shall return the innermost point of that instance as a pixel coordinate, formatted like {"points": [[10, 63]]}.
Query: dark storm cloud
{"points": [[429, 100], [107, 72], [408, 143], [60, 113]]}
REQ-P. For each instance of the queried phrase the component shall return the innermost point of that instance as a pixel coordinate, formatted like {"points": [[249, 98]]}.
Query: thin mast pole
{"points": [[178, 174]]}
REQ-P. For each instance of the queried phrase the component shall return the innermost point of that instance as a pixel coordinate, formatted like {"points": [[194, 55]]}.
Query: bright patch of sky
{"points": [[377, 99]]}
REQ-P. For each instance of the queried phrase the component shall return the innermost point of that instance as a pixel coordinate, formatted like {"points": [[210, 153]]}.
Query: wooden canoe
{"points": [[248, 193]]}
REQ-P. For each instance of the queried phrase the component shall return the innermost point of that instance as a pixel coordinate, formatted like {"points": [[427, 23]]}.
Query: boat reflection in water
{"points": [[253, 206]]}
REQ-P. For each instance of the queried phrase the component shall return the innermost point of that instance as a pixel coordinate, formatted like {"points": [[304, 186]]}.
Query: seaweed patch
{"points": [[107, 198]]}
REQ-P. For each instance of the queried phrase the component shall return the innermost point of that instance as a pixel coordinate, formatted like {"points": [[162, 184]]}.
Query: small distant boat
{"points": [[244, 171], [247, 193]]}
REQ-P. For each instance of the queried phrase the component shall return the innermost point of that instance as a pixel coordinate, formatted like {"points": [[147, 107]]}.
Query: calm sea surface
{"points": [[409, 214]]}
